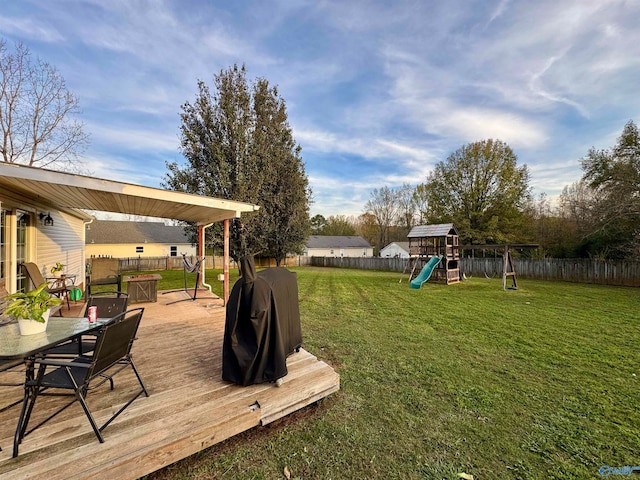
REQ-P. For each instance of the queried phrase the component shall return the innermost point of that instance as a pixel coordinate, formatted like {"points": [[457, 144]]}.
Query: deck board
{"points": [[190, 407]]}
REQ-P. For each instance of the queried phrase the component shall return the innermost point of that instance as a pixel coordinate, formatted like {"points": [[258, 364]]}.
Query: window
{"points": [[342, 252], [139, 249], [174, 251], [331, 253]]}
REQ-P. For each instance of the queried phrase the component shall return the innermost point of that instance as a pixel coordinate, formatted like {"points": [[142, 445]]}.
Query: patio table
{"points": [[14, 346]]}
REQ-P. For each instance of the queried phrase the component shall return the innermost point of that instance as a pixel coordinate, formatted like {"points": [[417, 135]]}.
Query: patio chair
{"points": [[103, 271], [33, 274], [109, 304], [84, 373]]}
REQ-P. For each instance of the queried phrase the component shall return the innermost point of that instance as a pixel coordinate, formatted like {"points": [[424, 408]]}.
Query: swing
{"points": [[188, 267]]}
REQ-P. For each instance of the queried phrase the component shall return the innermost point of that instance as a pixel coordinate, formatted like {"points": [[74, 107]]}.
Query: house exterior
{"points": [[396, 250], [43, 217], [123, 239], [25, 237], [337, 246]]}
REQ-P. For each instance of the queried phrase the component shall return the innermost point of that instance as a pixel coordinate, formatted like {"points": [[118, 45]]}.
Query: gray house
{"points": [[337, 246]]}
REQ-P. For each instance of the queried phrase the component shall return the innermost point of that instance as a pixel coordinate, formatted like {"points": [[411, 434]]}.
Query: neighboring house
{"points": [[121, 239], [396, 249], [337, 246]]}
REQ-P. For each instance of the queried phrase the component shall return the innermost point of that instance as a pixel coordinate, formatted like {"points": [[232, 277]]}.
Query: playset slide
{"points": [[425, 273]]}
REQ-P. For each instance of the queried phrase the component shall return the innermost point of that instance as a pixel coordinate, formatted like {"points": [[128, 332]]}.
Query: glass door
{"points": [[23, 220]]}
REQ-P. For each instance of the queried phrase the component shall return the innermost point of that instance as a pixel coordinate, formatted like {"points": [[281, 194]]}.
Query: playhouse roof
{"points": [[437, 230]]}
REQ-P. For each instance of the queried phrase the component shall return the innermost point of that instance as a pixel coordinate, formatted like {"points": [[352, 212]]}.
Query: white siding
{"points": [[394, 250], [62, 242], [348, 252]]}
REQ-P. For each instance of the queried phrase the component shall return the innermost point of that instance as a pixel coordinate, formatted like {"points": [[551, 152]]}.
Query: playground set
{"points": [[434, 253]]}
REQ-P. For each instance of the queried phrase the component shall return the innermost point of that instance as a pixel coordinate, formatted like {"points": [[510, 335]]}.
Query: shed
{"points": [[395, 249]]}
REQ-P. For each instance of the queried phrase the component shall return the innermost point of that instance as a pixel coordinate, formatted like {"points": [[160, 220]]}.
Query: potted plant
{"points": [[56, 270], [32, 309]]}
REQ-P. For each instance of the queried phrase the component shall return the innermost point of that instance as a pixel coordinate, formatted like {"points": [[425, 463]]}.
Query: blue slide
{"points": [[425, 273]]}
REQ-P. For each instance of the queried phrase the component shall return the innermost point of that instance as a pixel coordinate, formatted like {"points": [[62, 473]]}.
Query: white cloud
{"points": [[138, 139]]}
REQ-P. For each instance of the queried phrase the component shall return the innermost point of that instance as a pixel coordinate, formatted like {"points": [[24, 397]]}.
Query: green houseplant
{"points": [[57, 269], [32, 309]]}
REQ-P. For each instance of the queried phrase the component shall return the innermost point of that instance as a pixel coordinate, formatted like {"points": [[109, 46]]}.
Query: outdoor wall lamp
{"points": [[46, 220]]}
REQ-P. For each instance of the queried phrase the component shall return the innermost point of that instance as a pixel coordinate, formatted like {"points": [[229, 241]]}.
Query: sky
{"points": [[377, 92]]}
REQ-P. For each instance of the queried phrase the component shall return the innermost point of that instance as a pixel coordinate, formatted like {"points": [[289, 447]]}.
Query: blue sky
{"points": [[377, 91]]}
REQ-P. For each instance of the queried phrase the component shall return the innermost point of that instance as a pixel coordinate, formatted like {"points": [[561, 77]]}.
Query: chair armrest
{"points": [[57, 363]]}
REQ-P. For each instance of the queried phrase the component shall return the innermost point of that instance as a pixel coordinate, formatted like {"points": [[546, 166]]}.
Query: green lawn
{"points": [[536, 383]]}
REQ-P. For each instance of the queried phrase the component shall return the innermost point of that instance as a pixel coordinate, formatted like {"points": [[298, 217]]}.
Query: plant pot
{"points": [[31, 327]]}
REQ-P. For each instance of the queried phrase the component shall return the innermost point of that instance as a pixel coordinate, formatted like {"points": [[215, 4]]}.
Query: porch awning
{"points": [[59, 190]]}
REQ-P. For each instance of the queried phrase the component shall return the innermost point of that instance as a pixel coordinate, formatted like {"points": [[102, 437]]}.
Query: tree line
{"points": [[482, 190]]}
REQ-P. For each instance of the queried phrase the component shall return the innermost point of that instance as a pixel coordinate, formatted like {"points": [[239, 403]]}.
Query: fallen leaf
{"points": [[287, 473], [465, 476]]}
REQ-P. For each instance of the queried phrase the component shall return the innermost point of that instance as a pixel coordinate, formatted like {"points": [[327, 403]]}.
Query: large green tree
{"points": [[482, 190], [614, 175], [339, 225], [239, 146]]}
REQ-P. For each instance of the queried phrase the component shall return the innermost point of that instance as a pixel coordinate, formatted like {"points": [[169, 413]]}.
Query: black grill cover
{"points": [[262, 325]]}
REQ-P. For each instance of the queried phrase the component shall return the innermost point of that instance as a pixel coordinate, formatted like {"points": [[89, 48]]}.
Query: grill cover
{"points": [[262, 325]]}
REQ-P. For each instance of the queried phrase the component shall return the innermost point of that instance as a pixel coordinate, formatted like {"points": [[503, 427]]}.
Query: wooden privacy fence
{"points": [[581, 270], [147, 264], [362, 263]]}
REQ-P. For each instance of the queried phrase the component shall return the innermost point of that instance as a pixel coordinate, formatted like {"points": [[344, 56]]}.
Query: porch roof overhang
{"points": [[60, 190]]}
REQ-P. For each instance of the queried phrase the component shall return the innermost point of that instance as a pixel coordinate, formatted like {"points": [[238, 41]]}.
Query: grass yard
{"points": [[537, 383]]}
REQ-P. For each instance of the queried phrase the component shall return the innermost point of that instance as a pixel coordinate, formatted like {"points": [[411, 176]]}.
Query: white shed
{"points": [[395, 249]]}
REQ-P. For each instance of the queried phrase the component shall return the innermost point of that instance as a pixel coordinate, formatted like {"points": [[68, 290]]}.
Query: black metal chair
{"points": [[109, 304], [112, 354]]}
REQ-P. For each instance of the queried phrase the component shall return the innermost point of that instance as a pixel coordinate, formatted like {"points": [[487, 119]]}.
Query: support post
{"points": [[508, 270], [225, 261], [201, 255]]}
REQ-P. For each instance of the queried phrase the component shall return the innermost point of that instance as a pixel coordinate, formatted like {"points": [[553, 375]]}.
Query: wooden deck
{"points": [[190, 408]]}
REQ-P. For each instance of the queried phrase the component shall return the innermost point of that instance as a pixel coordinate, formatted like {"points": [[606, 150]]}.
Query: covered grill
{"points": [[262, 325]]}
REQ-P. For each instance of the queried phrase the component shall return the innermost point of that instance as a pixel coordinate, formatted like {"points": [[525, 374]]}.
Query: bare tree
{"points": [[36, 127], [383, 206], [407, 207]]}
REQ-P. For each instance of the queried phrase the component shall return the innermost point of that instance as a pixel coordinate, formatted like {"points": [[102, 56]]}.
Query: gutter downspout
{"points": [[84, 255], [201, 255]]}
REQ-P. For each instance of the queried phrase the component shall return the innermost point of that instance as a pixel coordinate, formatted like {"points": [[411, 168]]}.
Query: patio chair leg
{"points": [[29, 400], [87, 412], [135, 370]]}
